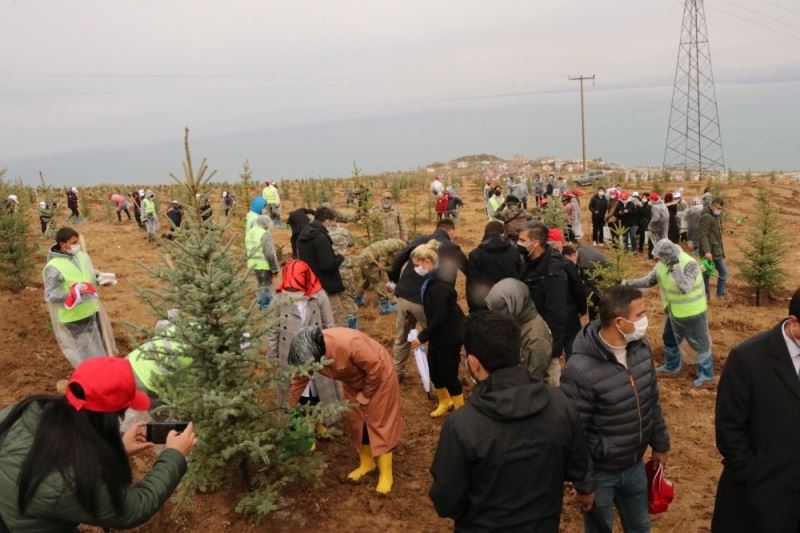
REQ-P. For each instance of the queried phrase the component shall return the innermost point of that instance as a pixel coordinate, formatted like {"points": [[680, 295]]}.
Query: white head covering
{"points": [[13, 198]]}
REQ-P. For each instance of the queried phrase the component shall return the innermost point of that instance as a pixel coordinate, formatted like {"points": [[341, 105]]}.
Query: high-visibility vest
{"points": [[678, 304], [494, 202], [72, 274], [148, 206], [250, 219], [146, 368], [270, 194], [255, 253]]}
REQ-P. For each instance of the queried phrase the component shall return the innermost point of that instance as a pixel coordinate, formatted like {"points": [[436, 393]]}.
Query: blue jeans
{"points": [[631, 242], [627, 490], [695, 330], [722, 270]]}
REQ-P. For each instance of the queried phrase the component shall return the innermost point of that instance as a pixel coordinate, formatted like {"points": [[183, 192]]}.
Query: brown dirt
{"points": [[31, 363]]}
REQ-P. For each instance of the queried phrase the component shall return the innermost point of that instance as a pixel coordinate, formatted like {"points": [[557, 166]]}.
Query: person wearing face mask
{"points": [[545, 274], [757, 431], [680, 279], [406, 284], [494, 205], [315, 248], [391, 223], [709, 244], [80, 324], [612, 383], [444, 328], [598, 206], [644, 212], [502, 460]]}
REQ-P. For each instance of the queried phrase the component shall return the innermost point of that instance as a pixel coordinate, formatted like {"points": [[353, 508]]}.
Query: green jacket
{"points": [[55, 509], [709, 235]]}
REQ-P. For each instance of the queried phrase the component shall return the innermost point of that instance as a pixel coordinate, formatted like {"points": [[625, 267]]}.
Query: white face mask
{"points": [[639, 330], [74, 249], [601, 194], [420, 271]]}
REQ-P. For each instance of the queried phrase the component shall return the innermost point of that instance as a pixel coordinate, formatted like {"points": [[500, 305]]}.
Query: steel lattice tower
{"points": [[694, 140]]}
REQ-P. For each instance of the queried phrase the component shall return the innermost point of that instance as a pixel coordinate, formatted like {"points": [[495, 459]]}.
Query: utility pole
{"points": [[581, 79]]}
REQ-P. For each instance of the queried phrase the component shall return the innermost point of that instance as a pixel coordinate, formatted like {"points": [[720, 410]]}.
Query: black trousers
{"points": [[597, 230], [119, 215], [443, 361]]}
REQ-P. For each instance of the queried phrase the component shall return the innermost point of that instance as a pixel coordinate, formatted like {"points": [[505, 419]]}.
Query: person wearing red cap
{"points": [[63, 461]]}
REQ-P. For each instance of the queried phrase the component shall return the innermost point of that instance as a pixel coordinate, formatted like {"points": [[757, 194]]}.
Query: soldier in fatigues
{"points": [[392, 224], [374, 262], [342, 239]]}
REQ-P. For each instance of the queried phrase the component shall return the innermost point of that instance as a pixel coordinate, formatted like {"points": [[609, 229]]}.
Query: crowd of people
{"points": [[564, 385]]}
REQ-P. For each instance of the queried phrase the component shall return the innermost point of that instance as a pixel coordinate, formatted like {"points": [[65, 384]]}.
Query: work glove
{"points": [[77, 292]]}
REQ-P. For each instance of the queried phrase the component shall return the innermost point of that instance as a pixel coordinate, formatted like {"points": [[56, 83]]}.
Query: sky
{"points": [[97, 91]]}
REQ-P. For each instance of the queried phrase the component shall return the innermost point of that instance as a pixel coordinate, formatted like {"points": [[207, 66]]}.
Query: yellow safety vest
{"points": [[255, 253], [146, 368], [148, 206], [494, 203], [270, 194], [675, 302], [72, 274]]}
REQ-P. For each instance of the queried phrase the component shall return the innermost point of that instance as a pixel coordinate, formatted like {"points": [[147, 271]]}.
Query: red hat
{"points": [[576, 192], [108, 385], [555, 235], [624, 197], [655, 196], [668, 197], [613, 193], [660, 490]]}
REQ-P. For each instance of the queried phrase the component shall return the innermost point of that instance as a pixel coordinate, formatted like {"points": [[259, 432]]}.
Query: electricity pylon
{"points": [[694, 140]]}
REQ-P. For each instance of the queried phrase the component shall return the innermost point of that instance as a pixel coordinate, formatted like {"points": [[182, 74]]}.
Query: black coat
{"points": [[644, 213], [555, 299], [503, 458], [758, 434], [674, 232], [445, 319], [72, 200], [297, 220], [598, 207], [619, 422], [315, 248], [625, 212], [409, 283], [492, 260]]}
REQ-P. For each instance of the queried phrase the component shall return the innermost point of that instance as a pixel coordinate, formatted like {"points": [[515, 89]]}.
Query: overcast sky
{"points": [[91, 75]]}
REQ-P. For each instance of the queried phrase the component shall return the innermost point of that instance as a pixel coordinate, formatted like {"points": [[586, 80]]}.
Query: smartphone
{"points": [[157, 431]]}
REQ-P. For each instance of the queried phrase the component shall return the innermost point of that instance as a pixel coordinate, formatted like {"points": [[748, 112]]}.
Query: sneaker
{"points": [[699, 382], [667, 371]]}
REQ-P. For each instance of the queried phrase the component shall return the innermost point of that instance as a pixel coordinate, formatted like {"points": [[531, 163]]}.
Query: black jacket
{"points": [[644, 213], [626, 213], [492, 260], [72, 200], [315, 248], [297, 220], [444, 317], [598, 207], [409, 283], [503, 458], [674, 232], [620, 421], [549, 283], [758, 435]]}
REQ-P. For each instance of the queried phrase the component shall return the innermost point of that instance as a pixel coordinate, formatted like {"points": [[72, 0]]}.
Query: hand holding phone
{"points": [[184, 442], [157, 431]]}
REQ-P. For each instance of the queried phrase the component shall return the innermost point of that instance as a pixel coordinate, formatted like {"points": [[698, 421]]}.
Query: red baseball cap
{"points": [[555, 235], [108, 384], [655, 196], [624, 197]]}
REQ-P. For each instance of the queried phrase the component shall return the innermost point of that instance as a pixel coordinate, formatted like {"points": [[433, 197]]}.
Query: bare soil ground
{"points": [[31, 363]]}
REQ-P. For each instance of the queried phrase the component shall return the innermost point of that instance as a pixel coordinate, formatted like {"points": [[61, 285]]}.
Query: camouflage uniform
{"points": [[343, 216], [342, 240], [392, 225], [374, 261]]}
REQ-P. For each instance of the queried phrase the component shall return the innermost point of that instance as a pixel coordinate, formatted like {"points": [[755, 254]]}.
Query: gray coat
{"points": [[659, 221], [286, 320], [620, 420]]}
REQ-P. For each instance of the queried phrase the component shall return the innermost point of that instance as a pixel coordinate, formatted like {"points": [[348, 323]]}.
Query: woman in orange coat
{"points": [[367, 373]]}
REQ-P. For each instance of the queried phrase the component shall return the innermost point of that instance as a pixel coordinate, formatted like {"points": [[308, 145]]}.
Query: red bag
{"points": [[660, 491], [441, 202]]}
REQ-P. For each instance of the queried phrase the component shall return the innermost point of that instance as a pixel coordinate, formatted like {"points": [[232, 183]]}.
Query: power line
{"points": [[781, 7], [762, 14], [734, 15]]}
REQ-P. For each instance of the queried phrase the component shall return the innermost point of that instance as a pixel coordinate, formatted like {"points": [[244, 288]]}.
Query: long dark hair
{"points": [[85, 447]]}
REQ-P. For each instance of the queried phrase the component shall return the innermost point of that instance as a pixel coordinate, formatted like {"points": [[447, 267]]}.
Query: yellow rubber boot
{"points": [[458, 401], [367, 464], [445, 403], [385, 477]]}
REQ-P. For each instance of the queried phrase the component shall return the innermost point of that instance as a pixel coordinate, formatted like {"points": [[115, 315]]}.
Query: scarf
{"points": [[425, 283], [298, 276]]}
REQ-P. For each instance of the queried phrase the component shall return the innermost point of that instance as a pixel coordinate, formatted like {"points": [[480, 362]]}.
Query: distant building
{"points": [[430, 170], [462, 164]]}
